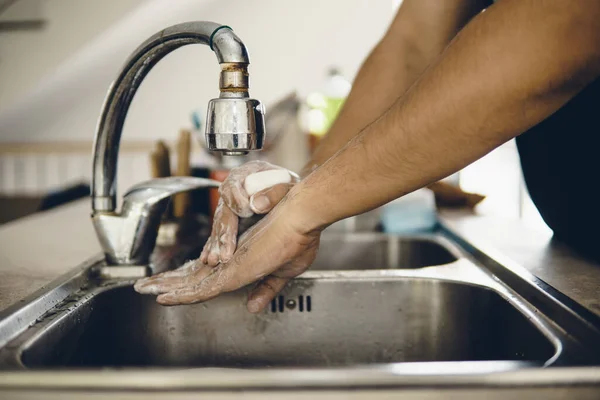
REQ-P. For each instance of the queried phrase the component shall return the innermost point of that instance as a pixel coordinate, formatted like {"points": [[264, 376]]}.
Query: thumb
{"points": [[264, 201]]}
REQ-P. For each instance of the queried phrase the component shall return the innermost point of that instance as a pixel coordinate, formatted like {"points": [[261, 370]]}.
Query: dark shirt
{"points": [[560, 158]]}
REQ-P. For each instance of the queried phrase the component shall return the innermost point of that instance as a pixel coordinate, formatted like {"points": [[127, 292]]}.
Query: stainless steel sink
{"points": [[361, 251], [321, 323], [370, 300]]}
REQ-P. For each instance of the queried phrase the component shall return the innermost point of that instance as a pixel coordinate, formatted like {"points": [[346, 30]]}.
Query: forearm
{"points": [[510, 68], [418, 34]]}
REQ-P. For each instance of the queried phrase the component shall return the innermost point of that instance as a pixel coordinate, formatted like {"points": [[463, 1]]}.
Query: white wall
{"points": [[291, 43], [26, 57]]}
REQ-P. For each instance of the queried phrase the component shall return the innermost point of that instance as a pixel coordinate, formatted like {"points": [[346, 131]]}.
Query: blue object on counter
{"points": [[196, 120], [412, 213]]}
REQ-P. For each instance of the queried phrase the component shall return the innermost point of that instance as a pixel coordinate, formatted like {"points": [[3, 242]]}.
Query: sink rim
{"points": [[441, 374], [392, 252], [432, 237]]}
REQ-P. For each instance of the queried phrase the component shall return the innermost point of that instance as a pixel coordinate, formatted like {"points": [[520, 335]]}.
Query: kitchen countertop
{"points": [[37, 249], [546, 258]]}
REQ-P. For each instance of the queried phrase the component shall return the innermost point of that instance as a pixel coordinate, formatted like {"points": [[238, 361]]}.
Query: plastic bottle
{"points": [[325, 105], [411, 213]]}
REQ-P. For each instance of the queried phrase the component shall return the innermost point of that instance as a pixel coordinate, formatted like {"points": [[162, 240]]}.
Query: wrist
{"points": [[301, 209]]}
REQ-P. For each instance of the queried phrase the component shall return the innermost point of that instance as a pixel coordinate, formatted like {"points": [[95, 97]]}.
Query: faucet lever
{"points": [[154, 190], [129, 237]]}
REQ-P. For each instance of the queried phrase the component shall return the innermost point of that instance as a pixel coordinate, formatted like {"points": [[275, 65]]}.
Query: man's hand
{"points": [[236, 203], [272, 252]]}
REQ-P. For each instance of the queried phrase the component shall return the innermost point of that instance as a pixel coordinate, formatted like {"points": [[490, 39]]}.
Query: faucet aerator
{"points": [[235, 125]]}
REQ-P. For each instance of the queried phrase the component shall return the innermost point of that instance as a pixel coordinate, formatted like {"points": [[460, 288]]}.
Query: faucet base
{"points": [[123, 271]]}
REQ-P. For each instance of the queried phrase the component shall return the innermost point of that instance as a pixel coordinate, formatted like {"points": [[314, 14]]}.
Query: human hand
{"points": [[236, 202], [273, 251]]}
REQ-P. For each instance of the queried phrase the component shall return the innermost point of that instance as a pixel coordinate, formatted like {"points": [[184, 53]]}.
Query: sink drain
{"points": [[302, 303]]}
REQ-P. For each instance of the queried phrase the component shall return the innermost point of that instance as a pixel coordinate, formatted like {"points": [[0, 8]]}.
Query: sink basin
{"points": [[360, 251], [374, 310], [370, 300], [316, 322]]}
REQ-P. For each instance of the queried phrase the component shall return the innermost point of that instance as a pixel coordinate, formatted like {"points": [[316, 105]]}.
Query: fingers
{"points": [[185, 295], [172, 280], [258, 300], [268, 288], [235, 202], [205, 250], [271, 248], [223, 239], [256, 258], [265, 292], [232, 190], [201, 289], [262, 253], [225, 235], [236, 198], [262, 202]]}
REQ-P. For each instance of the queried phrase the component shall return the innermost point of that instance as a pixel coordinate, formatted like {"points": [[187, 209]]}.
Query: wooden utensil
{"points": [[447, 195], [184, 144], [160, 160], [160, 167]]}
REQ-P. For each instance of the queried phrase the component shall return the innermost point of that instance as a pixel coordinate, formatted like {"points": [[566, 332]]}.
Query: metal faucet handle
{"points": [[153, 191], [128, 237]]}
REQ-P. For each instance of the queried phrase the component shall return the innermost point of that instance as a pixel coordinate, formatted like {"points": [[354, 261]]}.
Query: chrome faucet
{"points": [[234, 126]]}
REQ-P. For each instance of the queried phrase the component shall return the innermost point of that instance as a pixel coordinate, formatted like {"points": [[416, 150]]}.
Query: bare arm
{"points": [[418, 34], [510, 68]]}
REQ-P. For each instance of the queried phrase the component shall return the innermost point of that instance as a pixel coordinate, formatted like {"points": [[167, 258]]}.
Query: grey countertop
{"points": [[549, 260], [37, 249]]}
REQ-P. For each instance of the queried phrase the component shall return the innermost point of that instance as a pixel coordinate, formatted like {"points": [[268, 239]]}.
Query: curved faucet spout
{"points": [[231, 54], [235, 125]]}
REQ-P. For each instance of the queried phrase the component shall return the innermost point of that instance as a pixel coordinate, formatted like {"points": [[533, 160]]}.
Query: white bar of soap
{"points": [[265, 179]]}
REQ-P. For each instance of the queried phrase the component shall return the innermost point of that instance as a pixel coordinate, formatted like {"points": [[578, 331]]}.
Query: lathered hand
{"points": [[272, 252], [237, 202]]}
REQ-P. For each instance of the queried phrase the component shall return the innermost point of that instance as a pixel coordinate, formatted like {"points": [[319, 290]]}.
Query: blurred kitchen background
{"points": [[58, 58]]}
